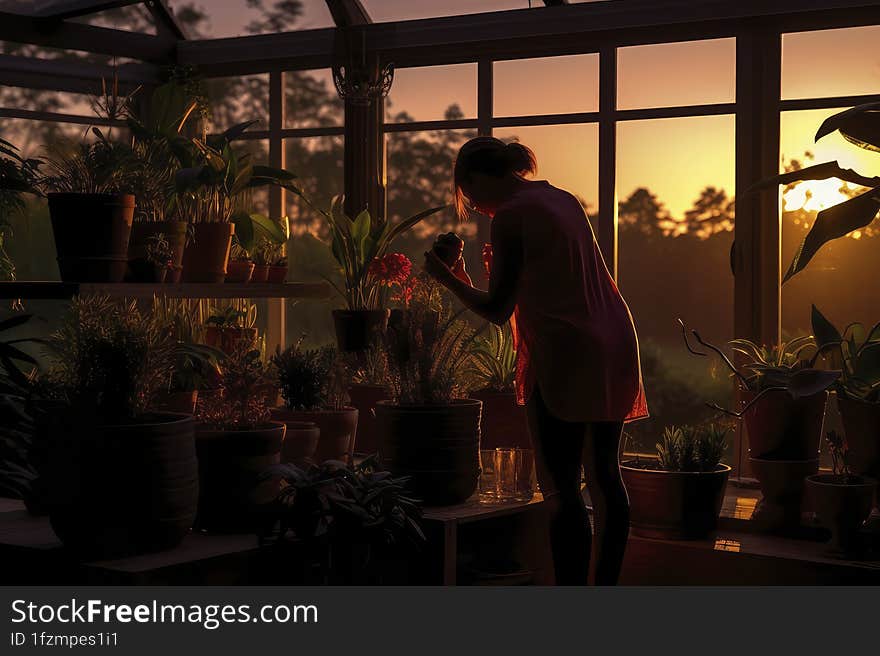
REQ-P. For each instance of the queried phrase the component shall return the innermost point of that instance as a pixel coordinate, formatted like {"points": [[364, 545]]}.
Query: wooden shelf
{"points": [[35, 290]]}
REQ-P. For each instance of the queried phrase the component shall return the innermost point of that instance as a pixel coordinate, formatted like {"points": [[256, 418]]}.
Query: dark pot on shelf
{"points": [[337, 427], [782, 428], [782, 489], [122, 490], [437, 446], [239, 271], [91, 235], [231, 463], [674, 505], [146, 271], [504, 423], [183, 402], [356, 330], [143, 231], [364, 398], [861, 423], [842, 503], [277, 274], [207, 253], [228, 338], [261, 273], [300, 443]]}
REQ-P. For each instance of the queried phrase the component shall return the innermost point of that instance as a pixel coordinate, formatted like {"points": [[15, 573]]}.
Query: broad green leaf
{"points": [[275, 231], [808, 382], [824, 331], [859, 125], [244, 230], [816, 172]]}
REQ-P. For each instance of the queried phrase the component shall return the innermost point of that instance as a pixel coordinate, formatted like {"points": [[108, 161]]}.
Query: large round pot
{"points": [[783, 428], [207, 253], [91, 235], [239, 271], [861, 423], [842, 503], [364, 398], [141, 233], [338, 429], [231, 463], [438, 446], [228, 338], [504, 422], [300, 443], [357, 330], [122, 490], [782, 489], [674, 505]]}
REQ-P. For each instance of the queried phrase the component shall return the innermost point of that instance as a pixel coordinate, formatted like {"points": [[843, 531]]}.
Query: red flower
{"points": [[391, 269]]}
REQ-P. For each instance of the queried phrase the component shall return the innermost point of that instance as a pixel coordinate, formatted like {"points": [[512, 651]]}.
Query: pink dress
{"points": [[574, 332]]}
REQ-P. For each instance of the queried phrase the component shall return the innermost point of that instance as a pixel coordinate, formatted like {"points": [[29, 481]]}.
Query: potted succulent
{"points": [[18, 176], [360, 247], [842, 500], [490, 376], [784, 397], [429, 430], [228, 327], [237, 441], [121, 479], [312, 387], [679, 494]]}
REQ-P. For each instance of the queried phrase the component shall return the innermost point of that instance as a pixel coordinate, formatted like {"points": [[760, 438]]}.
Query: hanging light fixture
{"points": [[358, 80]]}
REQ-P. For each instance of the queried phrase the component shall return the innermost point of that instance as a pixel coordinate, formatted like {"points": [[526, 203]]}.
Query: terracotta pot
{"points": [[239, 271], [180, 402], [437, 446], [207, 253], [232, 491], [145, 271], [861, 423], [782, 487], [142, 231], [504, 423], [174, 274], [365, 398], [842, 503], [338, 429], [228, 338], [91, 235], [356, 330], [277, 274], [261, 272], [122, 490], [674, 505], [782, 428], [300, 443]]}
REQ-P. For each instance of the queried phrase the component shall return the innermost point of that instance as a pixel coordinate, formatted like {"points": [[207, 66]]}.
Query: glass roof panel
{"points": [[226, 18], [396, 10]]}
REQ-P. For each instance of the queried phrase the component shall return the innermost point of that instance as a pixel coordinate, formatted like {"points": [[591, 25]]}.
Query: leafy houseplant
{"points": [[679, 494], [368, 386], [356, 244], [490, 376], [312, 385], [228, 327], [842, 500], [261, 241], [18, 176], [236, 441], [361, 519], [429, 431], [158, 260], [108, 363]]}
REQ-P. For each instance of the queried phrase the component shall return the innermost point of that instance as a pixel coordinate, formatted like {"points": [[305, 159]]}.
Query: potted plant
{"points": [[258, 240], [120, 478], [228, 327], [240, 267], [429, 430], [312, 387], [490, 374], [783, 404], [237, 441], [679, 494], [842, 500], [369, 385], [18, 176], [156, 262], [358, 524], [360, 247]]}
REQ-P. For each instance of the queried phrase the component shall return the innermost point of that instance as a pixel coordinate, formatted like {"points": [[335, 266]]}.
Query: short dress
{"points": [[573, 331]]}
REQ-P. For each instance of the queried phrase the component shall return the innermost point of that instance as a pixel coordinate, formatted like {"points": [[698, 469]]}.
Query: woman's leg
{"points": [[558, 447], [610, 503]]}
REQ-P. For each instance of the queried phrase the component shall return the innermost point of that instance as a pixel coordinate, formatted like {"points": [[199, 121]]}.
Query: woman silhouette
{"points": [[578, 371]]}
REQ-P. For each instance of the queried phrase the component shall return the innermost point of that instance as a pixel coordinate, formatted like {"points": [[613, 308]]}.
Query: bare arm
{"points": [[496, 304]]}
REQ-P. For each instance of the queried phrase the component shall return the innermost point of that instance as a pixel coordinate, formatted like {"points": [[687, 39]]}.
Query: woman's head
{"points": [[484, 170]]}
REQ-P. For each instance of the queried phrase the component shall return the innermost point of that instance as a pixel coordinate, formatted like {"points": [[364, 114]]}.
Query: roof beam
{"points": [[554, 3], [348, 13], [63, 9], [73, 76]]}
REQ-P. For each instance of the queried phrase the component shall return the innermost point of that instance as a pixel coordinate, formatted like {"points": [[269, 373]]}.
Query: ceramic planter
{"points": [[277, 274], [782, 487], [861, 423], [261, 273], [144, 271], [300, 443], [356, 330], [239, 271], [365, 398], [782, 428], [207, 253], [91, 235], [338, 429], [122, 490], [438, 446], [142, 231], [674, 505], [228, 338], [842, 503], [180, 402]]}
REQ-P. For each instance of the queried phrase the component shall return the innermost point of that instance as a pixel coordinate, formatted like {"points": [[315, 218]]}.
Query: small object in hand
{"points": [[449, 248]]}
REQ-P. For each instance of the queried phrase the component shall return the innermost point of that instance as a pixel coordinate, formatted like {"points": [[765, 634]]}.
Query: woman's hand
{"points": [[437, 269]]}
